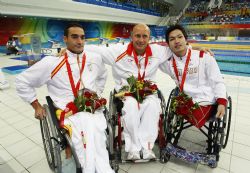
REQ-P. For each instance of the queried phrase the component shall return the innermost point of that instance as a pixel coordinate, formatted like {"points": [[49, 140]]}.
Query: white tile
{"points": [[239, 165], [11, 139], [40, 167], [9, 113], [30, 130], [37, 138], [31, 157], [243, 120], [180, 166], [11, 166], [14, 119], [23, 124], [125, 167], [4, 156], [3, 123], [242, 151], [228, 148], [242, 138], [150, 167], [20, 147], [206, 169], [224, 161], [6, 131], [169, 170], [242, 128]]}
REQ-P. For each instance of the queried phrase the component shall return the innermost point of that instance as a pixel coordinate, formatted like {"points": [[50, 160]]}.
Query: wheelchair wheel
{"points": [[51, 142], [219, 131], [115, 122], [173, 124], [227, 122], [164, 157]]}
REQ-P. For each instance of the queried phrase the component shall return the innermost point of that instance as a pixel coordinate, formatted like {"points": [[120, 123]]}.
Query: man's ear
{"points": [[65, 39]]}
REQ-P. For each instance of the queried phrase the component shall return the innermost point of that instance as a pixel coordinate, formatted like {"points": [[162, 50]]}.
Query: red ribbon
{"points": [[184, 72], [74, 88]]}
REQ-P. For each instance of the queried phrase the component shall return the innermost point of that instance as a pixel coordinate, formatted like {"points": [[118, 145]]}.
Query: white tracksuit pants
{"points": [[140, 123], [94, 155]]}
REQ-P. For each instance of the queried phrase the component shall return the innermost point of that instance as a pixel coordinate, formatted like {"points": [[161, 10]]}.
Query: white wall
{"points": [[68, 9]]}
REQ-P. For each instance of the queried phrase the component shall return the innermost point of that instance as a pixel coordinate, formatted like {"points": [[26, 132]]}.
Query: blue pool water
{"points": [[233, 62]]}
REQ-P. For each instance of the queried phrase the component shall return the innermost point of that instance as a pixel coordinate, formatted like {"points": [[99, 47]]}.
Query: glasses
{"points": [[75, 36]]}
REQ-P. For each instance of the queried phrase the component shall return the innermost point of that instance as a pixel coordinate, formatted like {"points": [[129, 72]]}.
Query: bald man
{"points": [[136, 58]]}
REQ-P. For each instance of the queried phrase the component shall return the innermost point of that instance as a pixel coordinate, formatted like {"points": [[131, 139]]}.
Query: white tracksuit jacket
{"points": [[204, 81], [140, 125], [92, 125]]}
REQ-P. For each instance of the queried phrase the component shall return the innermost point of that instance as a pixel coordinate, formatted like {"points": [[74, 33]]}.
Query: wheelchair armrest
{"points": [[117, 102]]}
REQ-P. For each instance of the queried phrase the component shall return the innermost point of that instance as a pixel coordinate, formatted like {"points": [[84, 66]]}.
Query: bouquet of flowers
{"points": [[183, 105], [89, 101], [86, 101], [139, 89]]}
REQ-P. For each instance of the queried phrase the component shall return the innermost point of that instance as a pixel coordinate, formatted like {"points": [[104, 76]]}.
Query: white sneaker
{"points": [[134, 155], [148, 154], [4, 85]]}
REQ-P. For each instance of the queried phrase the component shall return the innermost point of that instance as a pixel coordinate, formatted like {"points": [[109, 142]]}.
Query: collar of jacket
{"points": [[181, 58], [74, 55], [130, 50]]}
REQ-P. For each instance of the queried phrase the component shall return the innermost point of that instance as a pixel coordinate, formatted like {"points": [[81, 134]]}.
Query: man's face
{"points": [[75, 40], [140, 39], [177, 42]]}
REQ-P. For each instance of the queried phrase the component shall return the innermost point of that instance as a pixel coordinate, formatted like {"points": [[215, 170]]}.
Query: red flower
{"points": [[88, 103], [103, 101], [182, 111], [98, 104], [141, 93], [87, 94], [153, 87], [189, 103], [183, 105]]}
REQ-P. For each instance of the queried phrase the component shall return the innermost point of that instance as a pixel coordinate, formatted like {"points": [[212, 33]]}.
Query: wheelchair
{"points": [[56, 139], [216, 130], [114, 118]]}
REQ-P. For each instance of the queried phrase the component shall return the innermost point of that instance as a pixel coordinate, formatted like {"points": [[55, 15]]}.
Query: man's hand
{"points": [[206, 50], [221, 110], [62, 52], [39, 110]]}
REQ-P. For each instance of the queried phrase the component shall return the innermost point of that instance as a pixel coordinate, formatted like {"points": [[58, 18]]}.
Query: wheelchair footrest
{"points": [[189, 156]]}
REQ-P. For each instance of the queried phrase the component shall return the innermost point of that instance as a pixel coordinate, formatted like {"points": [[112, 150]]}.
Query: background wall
{"points": [[51, 29], [68, 9]]}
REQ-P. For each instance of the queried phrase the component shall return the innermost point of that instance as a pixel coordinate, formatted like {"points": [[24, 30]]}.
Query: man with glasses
{"points": [[65, 76]]}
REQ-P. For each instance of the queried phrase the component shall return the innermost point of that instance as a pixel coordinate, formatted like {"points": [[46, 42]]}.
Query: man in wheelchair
{"points": [[79, 110], [198, 78], [196, 74], [138, 61]]}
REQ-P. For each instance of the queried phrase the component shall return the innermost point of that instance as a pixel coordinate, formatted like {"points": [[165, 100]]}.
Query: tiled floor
{"points": [[21, 148]]}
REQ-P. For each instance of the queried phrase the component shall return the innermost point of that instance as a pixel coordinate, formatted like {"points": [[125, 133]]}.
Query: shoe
{"points": [[4, 85], [134, 155], [148, 154]]}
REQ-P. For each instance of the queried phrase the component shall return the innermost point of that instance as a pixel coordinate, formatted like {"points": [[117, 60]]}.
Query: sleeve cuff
{"points": [[34, 101], [222, 101]]}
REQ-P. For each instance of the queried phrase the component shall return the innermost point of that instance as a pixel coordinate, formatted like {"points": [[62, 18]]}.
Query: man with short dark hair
{"points": [[66, 77], [196, 74]]}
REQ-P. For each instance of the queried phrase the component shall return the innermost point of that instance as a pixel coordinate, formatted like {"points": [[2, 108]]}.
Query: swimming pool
{"points": [[233, 62]]}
